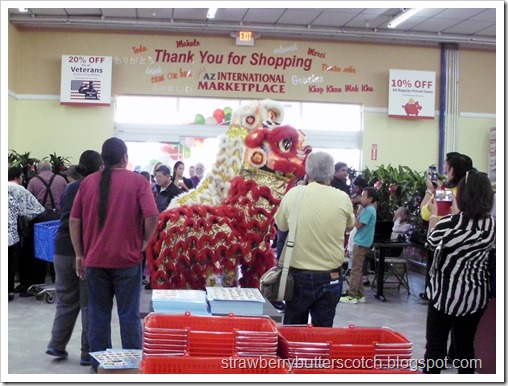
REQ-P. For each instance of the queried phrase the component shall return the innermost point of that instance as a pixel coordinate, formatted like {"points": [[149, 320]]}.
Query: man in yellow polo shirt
{"points": [[325, 214]]}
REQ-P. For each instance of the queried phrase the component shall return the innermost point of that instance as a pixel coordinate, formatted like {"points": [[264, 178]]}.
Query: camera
{"points": [[432, 173], [444, 195]]}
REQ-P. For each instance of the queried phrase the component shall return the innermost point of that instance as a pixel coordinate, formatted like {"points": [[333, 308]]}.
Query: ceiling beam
{"points": [[218, 28]]}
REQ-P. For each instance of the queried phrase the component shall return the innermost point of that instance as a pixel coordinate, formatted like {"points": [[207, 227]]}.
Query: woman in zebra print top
{"points": [[459, 276]]}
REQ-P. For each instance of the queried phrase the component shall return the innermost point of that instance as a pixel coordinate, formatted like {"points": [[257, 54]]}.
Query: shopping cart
{"points": [[44, 247]]}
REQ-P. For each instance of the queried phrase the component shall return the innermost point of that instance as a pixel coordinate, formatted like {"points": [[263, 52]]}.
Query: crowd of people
{"points": [[461, 249], [107, 217], [109, 214]]}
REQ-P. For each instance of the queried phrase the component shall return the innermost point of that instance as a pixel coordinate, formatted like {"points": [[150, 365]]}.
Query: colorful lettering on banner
{"points": [[139, 49], [333, 89], [189, 62], [313, 52], [187, 43]]}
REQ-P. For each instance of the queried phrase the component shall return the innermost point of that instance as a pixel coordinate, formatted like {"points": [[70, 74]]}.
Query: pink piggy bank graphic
{"points": [[412, 108]]}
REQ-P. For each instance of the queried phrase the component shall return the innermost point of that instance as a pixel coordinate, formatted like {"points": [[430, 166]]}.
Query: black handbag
{"points": [[276, 284]]}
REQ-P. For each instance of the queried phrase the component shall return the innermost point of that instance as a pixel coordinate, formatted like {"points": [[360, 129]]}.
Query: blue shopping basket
{"points": [[44, 239]]}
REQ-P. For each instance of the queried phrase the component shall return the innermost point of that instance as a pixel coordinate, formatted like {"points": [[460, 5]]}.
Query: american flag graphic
{"points": [[85, 89]]}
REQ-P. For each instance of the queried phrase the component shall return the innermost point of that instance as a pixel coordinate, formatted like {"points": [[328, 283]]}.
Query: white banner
{"points": [[412, 94], [86, 80]]}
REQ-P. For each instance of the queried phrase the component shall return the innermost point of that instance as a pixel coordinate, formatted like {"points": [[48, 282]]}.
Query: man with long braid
{"points": [[112, 220]]}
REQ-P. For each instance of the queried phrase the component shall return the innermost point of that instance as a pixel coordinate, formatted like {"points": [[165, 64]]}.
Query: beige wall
{"points": [[44, 126], [131, 71], [477, 81]]}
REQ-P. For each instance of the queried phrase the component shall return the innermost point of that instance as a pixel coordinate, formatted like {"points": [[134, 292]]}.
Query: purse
{"points": [[277, 284]]}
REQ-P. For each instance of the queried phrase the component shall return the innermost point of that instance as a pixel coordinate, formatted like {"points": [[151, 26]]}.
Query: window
{"points": [[189, 127], [331, 117], [190, 108], [146, 110]]}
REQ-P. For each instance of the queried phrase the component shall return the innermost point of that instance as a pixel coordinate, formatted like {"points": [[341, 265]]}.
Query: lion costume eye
{"points": [[285, 145]]}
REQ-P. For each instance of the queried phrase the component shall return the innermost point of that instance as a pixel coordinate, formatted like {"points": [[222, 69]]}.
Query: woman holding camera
{"points": [[459, 276], [456, 166]]}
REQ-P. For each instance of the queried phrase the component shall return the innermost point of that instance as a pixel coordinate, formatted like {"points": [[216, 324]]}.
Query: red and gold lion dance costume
{"points": [[223, 229]]}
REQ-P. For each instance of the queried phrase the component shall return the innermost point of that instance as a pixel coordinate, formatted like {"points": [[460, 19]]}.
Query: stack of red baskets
{"points": [[377, 347], [161, 341], [211, 336]]}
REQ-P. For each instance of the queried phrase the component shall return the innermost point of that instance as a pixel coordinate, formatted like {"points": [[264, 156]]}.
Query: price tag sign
{"points": [[412, 94], [86, 80]]}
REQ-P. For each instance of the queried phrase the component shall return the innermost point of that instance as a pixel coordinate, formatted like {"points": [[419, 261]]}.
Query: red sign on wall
{"points": [[373, 152]]}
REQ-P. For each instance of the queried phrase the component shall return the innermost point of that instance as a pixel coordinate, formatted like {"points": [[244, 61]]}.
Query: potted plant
{"points": [[397, 186], [58, 163], [26, 163]]}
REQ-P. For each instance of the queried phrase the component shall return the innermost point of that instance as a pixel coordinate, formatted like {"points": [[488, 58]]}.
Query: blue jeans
{"points": [[314, 293], [103, 285], [71, 297]]}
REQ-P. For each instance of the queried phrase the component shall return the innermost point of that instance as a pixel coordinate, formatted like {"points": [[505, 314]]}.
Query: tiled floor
{"points": [[30, 320]]}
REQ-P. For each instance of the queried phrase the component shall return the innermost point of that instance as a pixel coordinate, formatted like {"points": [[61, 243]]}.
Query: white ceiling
{"points": [[468, 27]]}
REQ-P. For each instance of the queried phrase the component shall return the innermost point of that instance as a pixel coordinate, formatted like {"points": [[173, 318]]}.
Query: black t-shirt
{"points": [[340, 184], [164, 197]]}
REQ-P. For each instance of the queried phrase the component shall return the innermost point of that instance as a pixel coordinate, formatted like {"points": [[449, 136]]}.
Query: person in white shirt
{"points": [[401, 226]]}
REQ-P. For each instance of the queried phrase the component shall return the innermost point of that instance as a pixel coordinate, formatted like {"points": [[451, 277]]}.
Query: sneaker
{"points": [[361, 299], [349, 299], [85, 362], [57, 353]]}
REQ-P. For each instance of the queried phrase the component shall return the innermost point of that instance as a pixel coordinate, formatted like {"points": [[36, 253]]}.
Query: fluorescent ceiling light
{"points": [[23, 10], [402, 17], [211, 13]]}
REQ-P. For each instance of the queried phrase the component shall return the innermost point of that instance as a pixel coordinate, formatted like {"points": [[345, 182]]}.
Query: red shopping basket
{"points": [[220, 336], [207, 365], [214, 324], [343, 343]]}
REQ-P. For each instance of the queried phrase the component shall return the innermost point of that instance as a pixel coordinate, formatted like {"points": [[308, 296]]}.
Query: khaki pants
{"points": [[356, 285]]}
